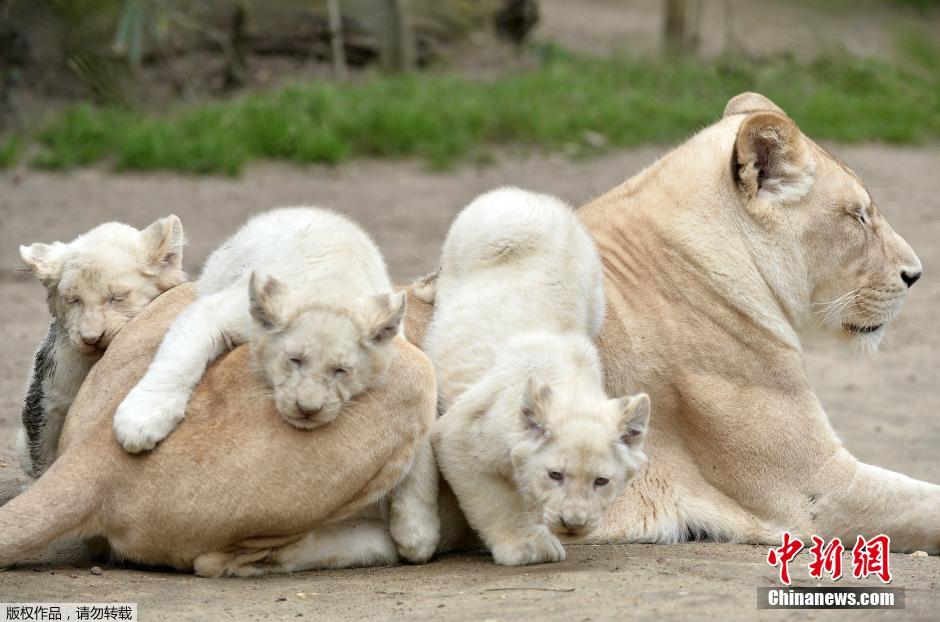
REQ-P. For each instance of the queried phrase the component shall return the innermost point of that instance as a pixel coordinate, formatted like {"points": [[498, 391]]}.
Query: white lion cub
{"points": [[94, 285], [308, 290], [530, 443]]}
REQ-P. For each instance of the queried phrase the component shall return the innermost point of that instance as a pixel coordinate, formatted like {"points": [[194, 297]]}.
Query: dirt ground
{"points": [[884, 407]]}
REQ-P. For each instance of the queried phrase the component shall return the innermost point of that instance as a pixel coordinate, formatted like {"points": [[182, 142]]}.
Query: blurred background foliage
{"points": [[208, 85]]}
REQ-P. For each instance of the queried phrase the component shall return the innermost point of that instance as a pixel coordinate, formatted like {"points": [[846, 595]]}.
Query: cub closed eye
{"points": [[296, 361], [558, 476], [601, 481], [339, 372]]}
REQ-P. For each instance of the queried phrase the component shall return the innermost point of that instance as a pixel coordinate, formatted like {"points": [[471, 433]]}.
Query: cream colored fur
{"points": [[709, 296], [94, 285], [721, 258], [529, 442], [235, 480], [308, 290]]}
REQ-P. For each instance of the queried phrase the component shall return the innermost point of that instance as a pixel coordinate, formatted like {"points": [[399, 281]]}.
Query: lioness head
{"points": [[849, 264], [580, 451], [103, 278], [317, 356]]}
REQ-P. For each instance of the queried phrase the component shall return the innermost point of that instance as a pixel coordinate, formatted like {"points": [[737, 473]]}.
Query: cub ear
{"points": [[387, 317], [267, 301], [772, 159], [535, 400], [634, 419], [163, 242], [44, 261], [748, 102]]}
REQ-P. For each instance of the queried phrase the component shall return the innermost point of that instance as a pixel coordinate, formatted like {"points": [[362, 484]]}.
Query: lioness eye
{"points": [[118, 297], [339, 372], [556, 475], [601, 481], [296, 361]]}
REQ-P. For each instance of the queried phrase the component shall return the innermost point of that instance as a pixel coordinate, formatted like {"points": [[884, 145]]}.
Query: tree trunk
{"points": [[338, 52]]}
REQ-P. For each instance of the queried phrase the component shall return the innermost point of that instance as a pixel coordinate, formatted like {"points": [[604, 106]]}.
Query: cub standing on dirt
{"points": [[308, 290], [94, 285], [530, 443]]}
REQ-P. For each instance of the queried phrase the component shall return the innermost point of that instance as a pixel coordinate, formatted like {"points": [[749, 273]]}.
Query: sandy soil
{"points": [[884, 407]]}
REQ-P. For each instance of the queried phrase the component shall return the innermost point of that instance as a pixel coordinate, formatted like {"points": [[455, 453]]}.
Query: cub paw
{"points": [[415, 540], [211, 565], [539, 549], [145, 418]]}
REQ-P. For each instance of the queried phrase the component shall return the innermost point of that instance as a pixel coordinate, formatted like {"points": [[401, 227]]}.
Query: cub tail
{"points": [[503, 226]]}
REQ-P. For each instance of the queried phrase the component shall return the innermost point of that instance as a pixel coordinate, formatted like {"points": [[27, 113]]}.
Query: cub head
{"points": [[579, 451], [103, 278], [317, 356], [846, 261]]}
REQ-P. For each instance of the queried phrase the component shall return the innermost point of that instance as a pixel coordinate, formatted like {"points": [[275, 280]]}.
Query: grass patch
{"points": [[10, 149], [564, 105]]}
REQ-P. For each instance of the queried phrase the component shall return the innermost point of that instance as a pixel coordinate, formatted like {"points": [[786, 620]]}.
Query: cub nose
{"points": [[574, 525], [910, 277], [308, 411], [91, 340]]}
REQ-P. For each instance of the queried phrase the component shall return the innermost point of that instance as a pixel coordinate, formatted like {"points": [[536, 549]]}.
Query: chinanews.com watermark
{"points": [[869, 558]]}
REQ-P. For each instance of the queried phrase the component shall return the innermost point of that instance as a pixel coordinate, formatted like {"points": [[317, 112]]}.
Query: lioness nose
{"points": [[308, 411], [910, 278]]}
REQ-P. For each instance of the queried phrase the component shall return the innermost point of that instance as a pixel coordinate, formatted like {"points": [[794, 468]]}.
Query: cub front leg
{"points": [[413, 519], [496, 511], [210, 326]]}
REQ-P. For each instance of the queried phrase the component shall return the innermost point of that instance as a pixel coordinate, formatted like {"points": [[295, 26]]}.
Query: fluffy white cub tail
{"points": [[505, 225]]}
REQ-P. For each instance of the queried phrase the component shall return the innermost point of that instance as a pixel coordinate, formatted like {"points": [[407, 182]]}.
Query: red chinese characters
{"points": [[826, 559], [869, 557], [784, 555]]}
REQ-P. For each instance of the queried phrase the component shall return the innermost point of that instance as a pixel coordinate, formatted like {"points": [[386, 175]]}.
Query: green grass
{"points": [[10, 151], [443, 119]]}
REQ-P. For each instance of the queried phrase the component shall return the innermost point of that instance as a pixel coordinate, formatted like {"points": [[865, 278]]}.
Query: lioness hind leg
{"points": [[347, 544]]}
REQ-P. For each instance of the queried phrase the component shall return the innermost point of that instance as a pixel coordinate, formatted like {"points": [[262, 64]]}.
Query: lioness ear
{"points": [[389, 311], [772, 159], [535, 400], [44, 261], [635, 417], [163, 242], [748, 102], [267, 301]]}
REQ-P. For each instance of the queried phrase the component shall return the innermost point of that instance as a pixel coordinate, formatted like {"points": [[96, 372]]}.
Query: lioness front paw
{"points": [[543, 548], [145, 418]]}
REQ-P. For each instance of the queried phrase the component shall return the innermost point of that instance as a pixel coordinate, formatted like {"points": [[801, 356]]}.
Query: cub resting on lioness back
{"points": [[530, 443], [94, 285], [307, 289]]}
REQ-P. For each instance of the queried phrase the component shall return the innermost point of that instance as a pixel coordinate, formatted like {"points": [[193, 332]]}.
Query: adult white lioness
{"points": [[715, 258]]}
